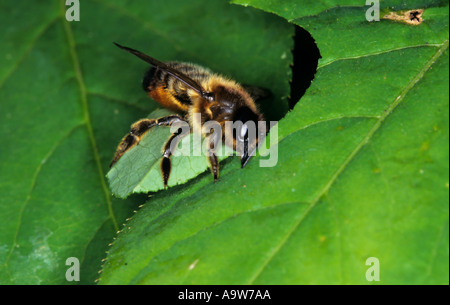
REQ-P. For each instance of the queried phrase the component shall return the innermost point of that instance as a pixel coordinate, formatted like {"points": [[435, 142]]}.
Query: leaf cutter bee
{"points": [[190, 89]]}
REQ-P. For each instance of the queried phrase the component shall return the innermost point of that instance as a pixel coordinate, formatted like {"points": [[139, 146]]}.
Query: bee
{"points": [[190, 89]]}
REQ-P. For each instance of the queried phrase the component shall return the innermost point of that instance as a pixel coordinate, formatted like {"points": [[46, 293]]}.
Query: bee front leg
{"points": [[214, 164], [138, 129], [169, 148]]}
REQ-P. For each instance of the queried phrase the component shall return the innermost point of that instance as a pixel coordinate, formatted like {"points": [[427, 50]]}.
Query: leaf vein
{"points": [[379, 53], [352, 155], [32, 187], [215, 224], [85, 108], [27, 51]]}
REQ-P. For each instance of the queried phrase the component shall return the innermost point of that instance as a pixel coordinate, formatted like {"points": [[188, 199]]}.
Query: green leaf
{"points": [[362, 171], [68, 95]]}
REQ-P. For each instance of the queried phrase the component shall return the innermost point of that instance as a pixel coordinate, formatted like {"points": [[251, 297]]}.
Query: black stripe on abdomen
{"points": [[183, 98]]}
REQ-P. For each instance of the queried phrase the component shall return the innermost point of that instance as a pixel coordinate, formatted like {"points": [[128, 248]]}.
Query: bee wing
{"points": [[175, 73]]}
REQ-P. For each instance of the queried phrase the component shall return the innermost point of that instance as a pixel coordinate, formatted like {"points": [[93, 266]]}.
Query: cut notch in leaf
{"points": [[54, 197], [363, 173]]}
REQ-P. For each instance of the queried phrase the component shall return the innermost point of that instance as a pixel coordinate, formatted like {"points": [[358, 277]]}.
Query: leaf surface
{"points": [[362, 172]]}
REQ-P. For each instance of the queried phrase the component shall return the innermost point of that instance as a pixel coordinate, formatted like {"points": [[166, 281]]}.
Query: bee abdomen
{"points": [[169, 91], [155, 77]]}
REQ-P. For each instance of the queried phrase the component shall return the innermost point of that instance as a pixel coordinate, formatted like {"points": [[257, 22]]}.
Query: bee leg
{"points": [[212, 158], [126, 143], [166, 163], [138, 129], [214, 164]]}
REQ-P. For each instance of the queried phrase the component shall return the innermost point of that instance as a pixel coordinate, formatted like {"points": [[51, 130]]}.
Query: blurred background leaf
{"points": [[362, 171], [68, 95]]}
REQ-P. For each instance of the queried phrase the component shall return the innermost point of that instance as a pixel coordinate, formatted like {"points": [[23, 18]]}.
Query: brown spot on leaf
{"points": [[411, 17]]}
